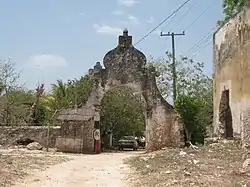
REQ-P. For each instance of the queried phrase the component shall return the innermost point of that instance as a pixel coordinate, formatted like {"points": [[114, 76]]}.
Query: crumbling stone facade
{"points": [[127, 66], [232, 77]]}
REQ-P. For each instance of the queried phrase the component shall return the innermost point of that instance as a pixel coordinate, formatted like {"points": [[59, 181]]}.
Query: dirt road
{"points": [[104, 170]]}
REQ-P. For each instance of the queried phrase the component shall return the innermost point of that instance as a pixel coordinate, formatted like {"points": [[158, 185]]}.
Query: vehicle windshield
{"points": [[128, 138]]}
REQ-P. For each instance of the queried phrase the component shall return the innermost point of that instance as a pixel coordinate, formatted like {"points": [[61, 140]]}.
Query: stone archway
{"points": [[225, 116], [130, 106], [125, 65]]}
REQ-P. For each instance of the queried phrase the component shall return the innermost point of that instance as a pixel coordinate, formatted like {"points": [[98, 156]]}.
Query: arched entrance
{"points": [[225, 116], [122, 114], [127, 66], [123, 66]]}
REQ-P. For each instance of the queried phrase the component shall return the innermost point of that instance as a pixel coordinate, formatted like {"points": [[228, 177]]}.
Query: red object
{"points": [[97, 146]]}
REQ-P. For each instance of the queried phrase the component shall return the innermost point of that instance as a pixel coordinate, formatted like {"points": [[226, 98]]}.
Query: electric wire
{"points": [[161, 23], [156, 27], [205, 46], [171, 19], [201, 41], [199, 16]]}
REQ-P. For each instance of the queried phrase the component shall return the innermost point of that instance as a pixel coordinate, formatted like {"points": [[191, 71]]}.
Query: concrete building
{"points": [[232, 78]]}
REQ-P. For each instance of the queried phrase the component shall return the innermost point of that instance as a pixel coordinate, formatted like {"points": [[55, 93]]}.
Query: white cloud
{"points": [[127, 3], [130, 20], [133, 20], [151, 19], [46, 61], [105, 29], [117, 12]]}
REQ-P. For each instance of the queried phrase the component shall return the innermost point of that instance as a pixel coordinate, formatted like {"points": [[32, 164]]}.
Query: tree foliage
{"points": [[72, 93], [194, 93], [11, 95], [230, 8], [191, 79], [191, 110], [122, 112]]}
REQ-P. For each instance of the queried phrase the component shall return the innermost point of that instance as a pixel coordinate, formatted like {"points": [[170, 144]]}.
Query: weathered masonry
{"points": [[126, 66], [76, 132], [232, 78], [11, 135]]}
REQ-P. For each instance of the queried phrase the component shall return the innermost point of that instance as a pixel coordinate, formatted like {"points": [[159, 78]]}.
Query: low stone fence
{"points": [[11, 135]]}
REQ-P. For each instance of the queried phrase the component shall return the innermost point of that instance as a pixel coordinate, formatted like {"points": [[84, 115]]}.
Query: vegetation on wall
{"points": [[230, 8]]}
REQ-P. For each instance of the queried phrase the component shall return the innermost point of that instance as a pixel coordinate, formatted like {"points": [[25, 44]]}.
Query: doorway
{"points": [[225, 116]]}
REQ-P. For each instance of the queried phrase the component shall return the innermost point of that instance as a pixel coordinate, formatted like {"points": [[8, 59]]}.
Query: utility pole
{"points": [[173, 58]]}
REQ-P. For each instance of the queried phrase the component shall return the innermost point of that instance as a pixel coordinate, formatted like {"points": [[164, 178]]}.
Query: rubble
{"points": [[34, 146], [212, 140], [219, 164]]}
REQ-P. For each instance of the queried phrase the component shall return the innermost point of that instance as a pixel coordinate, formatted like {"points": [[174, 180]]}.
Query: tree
{"points": [[48, 105], [230, 8], [79, 90], [8, 84], [19, 103], [190, 108], [37, 113], [191, 80], [122, 112], [73, 93], [59, 92], [194, 93]]}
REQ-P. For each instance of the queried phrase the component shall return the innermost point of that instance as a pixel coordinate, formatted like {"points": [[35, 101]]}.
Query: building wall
{"points": [[232, 71], [76, 137], [76, 133], [10, 135]]}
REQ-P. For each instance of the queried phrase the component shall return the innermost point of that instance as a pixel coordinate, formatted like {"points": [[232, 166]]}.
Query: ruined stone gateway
{"points": [[126, 66], [232, 79]]}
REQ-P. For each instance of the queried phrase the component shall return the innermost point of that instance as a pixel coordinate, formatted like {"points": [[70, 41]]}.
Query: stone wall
{"points": [[232, 72], [76, 133], [10, 135]]}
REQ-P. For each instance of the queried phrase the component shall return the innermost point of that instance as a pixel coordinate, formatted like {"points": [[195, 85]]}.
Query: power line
{"points": [[206, 44], [185, 14], [169, 22], [167, 18], [194, 55], [172, 18], [199, 16], [152, 30], [199, 42]]}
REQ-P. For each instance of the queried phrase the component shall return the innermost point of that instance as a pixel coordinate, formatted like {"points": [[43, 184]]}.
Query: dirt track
{"points": [[104, 170]]}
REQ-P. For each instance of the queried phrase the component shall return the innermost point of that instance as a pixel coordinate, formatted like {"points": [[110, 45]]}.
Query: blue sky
{"points": [[62, 39]]}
